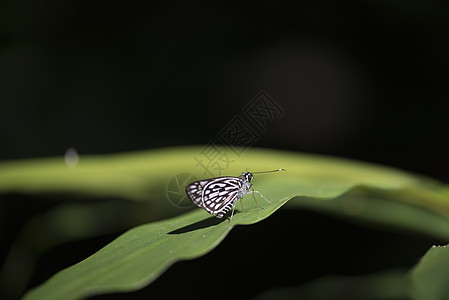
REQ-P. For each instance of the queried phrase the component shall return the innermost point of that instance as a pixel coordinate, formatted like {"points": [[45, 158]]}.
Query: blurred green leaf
{"points": [[66, 222], [383, 285], [429, 280], [392, 210], [143, 176]]}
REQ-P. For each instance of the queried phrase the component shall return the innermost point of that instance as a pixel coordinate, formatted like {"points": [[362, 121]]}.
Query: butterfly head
{"points": [[247, 176]]}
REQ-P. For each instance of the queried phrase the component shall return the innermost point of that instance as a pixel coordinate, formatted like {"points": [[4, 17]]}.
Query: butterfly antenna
{"points": [[278, 170]]}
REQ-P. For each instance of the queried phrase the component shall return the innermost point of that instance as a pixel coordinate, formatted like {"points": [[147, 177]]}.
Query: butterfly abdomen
{"points": [[225, 210]]}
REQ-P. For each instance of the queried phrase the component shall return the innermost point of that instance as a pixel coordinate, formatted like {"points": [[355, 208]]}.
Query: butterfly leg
{"points": [[253, 191], [233, 208], [241, 202], [262, 196]]}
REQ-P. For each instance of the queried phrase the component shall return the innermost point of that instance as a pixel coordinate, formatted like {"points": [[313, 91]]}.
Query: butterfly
{"points": [[218, 195]]}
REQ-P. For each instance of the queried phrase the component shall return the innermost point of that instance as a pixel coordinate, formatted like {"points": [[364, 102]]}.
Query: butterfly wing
{"points": [[195, 191], [216, 195]]}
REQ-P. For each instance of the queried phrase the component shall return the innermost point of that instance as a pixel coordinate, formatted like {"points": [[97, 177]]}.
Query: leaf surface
{"points": [[346, 188]]}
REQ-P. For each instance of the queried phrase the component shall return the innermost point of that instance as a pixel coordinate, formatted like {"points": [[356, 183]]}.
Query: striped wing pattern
{"points": [[216, 195]]}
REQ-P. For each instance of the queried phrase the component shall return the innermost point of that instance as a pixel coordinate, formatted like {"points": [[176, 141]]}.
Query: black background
{"points": [[359, 79]]}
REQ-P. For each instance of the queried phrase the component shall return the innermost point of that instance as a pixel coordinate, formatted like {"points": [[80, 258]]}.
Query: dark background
{"points": [[359, 79]]}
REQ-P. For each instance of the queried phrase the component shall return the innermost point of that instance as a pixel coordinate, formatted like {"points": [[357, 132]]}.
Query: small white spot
{"points": [[71, 158], [204, 235]]}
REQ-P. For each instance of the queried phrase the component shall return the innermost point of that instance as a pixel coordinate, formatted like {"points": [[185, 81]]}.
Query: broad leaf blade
{"points": [[138, 256]]}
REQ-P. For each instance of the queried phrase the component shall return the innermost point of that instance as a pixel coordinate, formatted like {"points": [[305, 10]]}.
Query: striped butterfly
{"points": [[218, 195]]}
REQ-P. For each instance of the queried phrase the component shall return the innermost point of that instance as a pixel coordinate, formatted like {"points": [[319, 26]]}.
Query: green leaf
{"points": [[383, 285], [66, 222], [346, 188], [143, 176], [429, 280], [138, 256], [401, 210]]}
